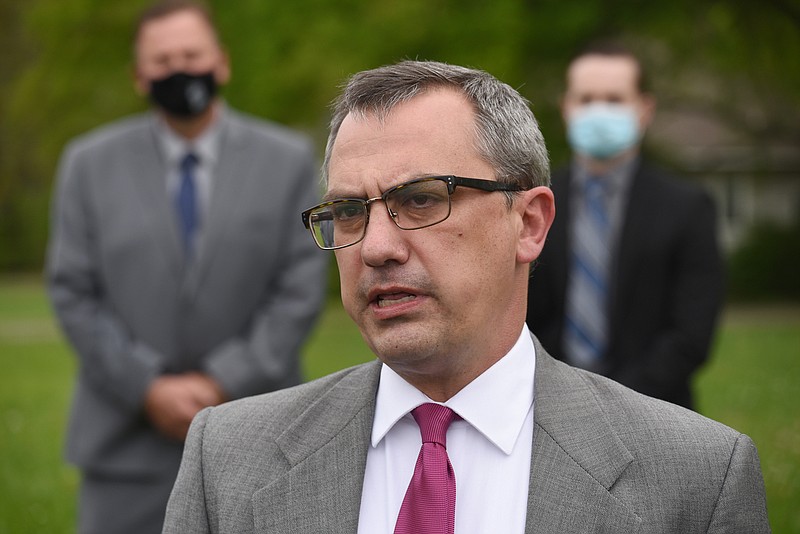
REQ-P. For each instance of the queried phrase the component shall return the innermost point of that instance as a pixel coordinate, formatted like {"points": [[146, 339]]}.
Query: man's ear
{"points": [[647, 110], [538, 211], [562, 106], [140, 84], [222, 72]]}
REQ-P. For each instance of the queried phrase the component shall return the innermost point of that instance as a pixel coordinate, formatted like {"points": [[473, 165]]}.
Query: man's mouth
{"points": [[393, 299]]}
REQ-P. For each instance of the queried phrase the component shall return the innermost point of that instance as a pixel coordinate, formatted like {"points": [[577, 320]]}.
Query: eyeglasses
{"points": [[411, 205]]}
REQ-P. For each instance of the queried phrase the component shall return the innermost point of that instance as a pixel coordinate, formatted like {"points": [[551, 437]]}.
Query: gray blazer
{"points": [[605, 459], [132, 309]]}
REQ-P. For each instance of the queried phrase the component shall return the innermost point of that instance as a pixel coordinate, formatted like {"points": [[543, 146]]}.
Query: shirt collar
{"points": [[615, 179], [205, 146], [496, 403]]}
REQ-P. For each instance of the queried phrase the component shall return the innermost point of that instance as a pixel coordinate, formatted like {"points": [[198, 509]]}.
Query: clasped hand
{"points": [[172, 401]]}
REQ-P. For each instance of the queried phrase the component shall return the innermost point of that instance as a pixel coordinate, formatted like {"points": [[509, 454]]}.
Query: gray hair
{"points": [[507, 134]]}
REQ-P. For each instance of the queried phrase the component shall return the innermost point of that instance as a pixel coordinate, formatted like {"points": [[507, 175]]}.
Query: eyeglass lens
{"points": [[411, 206]]}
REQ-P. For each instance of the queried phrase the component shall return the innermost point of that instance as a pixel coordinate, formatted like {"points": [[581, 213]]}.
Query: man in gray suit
{"points": [[437, 204], [177, 267]]}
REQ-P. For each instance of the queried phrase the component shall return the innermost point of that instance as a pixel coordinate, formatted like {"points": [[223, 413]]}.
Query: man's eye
{"points": [[347, 212], [420, 201]]}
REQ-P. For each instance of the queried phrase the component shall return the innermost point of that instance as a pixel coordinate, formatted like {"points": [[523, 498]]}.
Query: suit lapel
{"points": [[639, 208], [326, 448], [577, 457], [231, 172], [148, 172]]}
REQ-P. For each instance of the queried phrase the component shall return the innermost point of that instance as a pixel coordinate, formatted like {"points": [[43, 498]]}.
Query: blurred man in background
{"points": [[177, 268], [631, 281]]}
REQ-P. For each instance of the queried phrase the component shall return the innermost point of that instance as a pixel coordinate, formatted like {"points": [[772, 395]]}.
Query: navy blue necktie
{"points": [[186, 203], [586, 332]]}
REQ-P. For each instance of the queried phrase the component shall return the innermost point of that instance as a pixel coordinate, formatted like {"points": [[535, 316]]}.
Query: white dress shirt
{"points": [[489, 447], [618, 182], [206, 147]]}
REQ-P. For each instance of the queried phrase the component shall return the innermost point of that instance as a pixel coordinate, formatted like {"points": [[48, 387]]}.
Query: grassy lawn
{"points": [[751, 384]]}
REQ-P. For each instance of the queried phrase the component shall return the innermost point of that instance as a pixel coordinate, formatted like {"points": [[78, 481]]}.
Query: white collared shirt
{"points": [[206, 147], [489, 447], [618, 182]]}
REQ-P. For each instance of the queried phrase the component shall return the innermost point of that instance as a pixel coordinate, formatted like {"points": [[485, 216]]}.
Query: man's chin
{"points": [[401, 343]]}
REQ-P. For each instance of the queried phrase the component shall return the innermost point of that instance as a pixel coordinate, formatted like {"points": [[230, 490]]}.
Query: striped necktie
{"points": [[586, 329], [186, 203]]}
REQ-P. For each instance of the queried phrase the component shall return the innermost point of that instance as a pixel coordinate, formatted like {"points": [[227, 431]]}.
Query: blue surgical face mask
{"points": [[602, 130]]}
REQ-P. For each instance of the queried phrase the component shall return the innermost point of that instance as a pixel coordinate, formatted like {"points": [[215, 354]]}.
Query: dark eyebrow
{"points": [[334, 195]]}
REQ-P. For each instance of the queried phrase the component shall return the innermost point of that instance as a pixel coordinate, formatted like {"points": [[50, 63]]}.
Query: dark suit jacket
{"points": [[133, 309], [666, 287], [604, 459]]}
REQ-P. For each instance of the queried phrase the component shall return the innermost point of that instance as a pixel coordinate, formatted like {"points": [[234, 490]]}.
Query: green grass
{"points": [[753, 384], [37, 490], [750, 384]]}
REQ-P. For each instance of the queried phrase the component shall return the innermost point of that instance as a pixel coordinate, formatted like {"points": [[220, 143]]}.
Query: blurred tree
{"points": [[66, 68], [72, 76], [16, 239]]}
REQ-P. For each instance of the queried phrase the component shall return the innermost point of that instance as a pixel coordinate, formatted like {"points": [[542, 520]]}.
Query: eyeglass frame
{"points": [[451, 181]]}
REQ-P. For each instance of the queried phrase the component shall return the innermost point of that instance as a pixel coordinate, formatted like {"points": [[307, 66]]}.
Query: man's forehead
{"points": [[597, 70], [183, 27], [429, 134], [442, 116]]}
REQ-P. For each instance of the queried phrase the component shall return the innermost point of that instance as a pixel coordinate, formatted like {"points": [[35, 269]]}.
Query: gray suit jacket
{"points": [[133, 309], [605, 459]]}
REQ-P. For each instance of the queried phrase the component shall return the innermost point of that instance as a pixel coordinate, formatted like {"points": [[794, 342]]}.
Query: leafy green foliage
{"points": [[66, 67], [765, 266]]}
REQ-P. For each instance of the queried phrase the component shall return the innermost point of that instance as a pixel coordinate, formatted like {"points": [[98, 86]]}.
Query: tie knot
{"points": [[433, 420], [189, 161]]}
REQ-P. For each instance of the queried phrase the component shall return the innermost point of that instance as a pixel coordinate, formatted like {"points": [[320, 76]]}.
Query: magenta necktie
{"points": [[429, 506]]}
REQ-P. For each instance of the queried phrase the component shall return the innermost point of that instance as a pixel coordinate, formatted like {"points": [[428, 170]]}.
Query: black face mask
{"points": [[184, 95]]}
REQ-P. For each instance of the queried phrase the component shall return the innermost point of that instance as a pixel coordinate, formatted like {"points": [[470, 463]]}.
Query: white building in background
{"points": [[751, 184]]}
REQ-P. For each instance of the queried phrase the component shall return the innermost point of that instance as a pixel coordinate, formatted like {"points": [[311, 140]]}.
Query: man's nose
{"points": [[177, 64], [383, 240]]}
